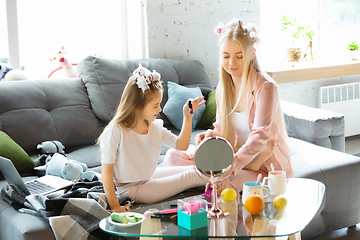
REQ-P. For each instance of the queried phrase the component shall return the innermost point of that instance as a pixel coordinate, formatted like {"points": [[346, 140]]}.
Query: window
{"points": [[83, 27], [340, 24], [4, 51], [335, 23]]}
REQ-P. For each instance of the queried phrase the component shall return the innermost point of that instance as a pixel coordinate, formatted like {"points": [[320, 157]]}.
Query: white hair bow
{"points": [[144, 77]]}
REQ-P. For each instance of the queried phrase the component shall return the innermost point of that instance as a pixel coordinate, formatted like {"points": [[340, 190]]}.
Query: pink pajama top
{"points": [[268, 136]]}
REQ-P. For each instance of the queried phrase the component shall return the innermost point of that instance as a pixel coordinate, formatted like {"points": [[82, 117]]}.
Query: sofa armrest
{"points": [[315, 125]]}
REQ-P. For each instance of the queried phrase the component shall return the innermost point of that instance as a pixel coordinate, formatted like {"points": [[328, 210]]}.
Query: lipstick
{"points": [[191, 108]]}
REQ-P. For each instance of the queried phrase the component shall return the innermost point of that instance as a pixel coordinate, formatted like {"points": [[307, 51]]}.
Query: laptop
{"points": [[42, 185]]}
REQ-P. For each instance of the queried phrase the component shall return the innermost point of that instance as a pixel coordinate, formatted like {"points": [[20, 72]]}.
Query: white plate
{"points": [[129, 224]]}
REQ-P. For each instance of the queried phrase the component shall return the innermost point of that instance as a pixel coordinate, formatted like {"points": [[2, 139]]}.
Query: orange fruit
{"points": [[254, 204]]}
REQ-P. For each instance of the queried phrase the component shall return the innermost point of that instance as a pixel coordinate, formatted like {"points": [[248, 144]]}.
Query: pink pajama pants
{"points": [[186, 158]]}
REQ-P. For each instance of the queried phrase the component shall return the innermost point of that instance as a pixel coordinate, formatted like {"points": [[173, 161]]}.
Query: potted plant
{"points": [[293, 52], [353, 47], [298, 35]]}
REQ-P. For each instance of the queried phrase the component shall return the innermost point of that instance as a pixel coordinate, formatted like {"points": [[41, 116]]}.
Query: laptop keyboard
{"points": [[36, 187]]}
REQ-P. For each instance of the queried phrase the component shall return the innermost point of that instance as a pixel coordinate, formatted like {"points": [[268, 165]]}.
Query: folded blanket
{"points": [[72, 215]]}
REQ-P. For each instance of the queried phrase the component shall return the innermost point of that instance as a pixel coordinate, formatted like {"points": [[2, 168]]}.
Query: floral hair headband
{"points": [[238, 25], [144, 77]]}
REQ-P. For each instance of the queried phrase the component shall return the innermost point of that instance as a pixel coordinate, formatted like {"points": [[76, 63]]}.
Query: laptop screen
{"points": [[11, 175]]}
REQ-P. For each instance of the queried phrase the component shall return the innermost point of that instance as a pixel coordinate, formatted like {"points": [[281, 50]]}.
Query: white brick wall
{"points": [[184, 29]]}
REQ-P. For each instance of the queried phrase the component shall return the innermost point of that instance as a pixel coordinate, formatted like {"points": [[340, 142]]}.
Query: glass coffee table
{"points": [[304, 199]]}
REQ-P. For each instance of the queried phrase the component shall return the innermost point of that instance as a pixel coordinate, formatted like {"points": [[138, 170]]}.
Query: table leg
{"points": [[272, 238], [150, 226], [258, 227], [296, 236]]}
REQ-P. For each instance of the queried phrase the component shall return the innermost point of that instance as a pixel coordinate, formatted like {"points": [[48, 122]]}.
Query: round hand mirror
{"points": [[214, 160]]}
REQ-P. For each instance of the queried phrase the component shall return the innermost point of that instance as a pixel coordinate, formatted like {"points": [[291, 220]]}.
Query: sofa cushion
{"points": [[90, 155], [322, 127], [209, 115], [56, 109], [106, 78], [178, 96], [11, 150]]}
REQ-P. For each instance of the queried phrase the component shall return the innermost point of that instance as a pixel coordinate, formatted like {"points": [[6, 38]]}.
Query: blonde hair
{"points": [[246, 37], [133, 101]]}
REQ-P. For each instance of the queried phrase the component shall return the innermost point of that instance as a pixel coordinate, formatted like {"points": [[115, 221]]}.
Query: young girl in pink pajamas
{"points": [[248, 113], [131, 143]]}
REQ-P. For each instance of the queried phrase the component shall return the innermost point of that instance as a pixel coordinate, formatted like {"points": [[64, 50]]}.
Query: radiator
{"points": [[344, 99]]}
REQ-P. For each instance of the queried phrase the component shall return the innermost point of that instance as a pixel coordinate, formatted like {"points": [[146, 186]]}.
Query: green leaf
{"points": [[353, 46]]}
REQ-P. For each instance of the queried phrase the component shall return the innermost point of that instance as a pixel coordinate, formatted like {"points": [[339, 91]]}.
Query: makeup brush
{"points": [[165, 217], [166, 211], [272, 167], [258, 179]]}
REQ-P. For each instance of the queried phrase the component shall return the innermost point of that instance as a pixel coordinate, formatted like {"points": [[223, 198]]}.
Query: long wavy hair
{"points": [[133, 101], [243, 35]]}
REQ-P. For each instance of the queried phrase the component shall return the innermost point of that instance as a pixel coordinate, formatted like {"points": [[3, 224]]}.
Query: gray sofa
{"points": [[74, 112]]}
